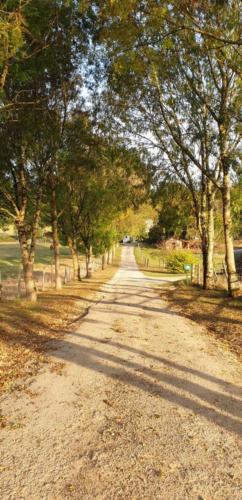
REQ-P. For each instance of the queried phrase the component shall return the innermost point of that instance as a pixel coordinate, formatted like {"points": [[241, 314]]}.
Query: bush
{"points": [[178, 258]]}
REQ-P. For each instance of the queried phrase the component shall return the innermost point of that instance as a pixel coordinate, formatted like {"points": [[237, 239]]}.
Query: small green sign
{"points": [[187, 267]]}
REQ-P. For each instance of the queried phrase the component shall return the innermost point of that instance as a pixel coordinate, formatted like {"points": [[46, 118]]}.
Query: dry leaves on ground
{"points": [[26, 329], [220, 314]]}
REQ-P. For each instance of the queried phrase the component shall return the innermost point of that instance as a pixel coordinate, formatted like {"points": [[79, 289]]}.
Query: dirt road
{"points": [[144, 406]]}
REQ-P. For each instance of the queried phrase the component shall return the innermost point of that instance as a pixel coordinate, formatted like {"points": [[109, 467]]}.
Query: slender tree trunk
{"points": [[210, 236], [27, 254], [103, 261], [75, 258], [113, 252], [88, 262], [55, 235], [204, 232], [109, 259], [27, 263], [233, 282]]}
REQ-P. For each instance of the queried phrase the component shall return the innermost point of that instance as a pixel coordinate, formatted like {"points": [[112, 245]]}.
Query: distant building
{"points": [[171, 244], [127, 239]]}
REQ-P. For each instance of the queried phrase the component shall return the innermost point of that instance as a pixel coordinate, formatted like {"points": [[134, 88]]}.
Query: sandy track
{"points": [[146, 406]]}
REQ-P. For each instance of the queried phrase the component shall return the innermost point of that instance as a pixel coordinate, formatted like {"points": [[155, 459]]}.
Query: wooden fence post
{"points": [[192, 273]]}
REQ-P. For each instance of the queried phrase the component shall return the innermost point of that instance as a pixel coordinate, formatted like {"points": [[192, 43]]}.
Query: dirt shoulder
{"points": [[26, 329], [221, 315]]}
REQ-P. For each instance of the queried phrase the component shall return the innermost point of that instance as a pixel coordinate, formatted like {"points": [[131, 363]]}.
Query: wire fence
{"points": [[12, 285], [195, 273]]}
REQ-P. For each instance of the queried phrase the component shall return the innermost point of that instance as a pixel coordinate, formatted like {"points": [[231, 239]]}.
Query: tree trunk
{"points": [[204, 233], [27, 263], [103, 261], [75, 258], [210, 236], [55, 235], [88, 262], [113, 252], [109, 259], [233, 282]]}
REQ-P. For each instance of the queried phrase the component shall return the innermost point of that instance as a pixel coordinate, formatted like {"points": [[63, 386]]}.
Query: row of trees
{"points": [[56, 166], [163, 76], [176, 216], [172, 83]]}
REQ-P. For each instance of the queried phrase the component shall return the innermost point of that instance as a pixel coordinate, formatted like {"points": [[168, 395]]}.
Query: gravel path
{"points": [[143, 405]]}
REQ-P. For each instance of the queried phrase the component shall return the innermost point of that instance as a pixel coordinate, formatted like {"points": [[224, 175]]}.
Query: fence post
{"points": [[192, 266]]}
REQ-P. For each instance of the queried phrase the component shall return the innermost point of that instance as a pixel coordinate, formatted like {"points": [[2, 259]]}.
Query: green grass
{"points": [[10, 256], [157, 259], [10, 260], [156, 267]]}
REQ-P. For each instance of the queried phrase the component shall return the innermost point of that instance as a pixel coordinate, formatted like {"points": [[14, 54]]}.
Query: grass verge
{"points": [[26, 329], [10, 259], [221, 315], [155, 269]]}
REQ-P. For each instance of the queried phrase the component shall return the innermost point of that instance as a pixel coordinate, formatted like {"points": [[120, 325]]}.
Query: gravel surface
{"points": [[139, 403]]}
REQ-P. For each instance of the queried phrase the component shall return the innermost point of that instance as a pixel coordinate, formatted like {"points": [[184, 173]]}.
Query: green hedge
{"points": [[176, 260]]}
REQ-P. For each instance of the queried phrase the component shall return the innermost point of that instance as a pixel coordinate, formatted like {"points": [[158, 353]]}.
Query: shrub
{"points": [[178, 258]]}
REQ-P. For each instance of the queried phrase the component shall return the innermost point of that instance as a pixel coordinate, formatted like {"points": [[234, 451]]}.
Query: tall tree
{"points": [[163, 66]]}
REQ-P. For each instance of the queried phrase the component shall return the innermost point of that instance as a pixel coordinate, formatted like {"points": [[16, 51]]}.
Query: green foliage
{"points": [[176, 260], [175, 212], [100, 179]]}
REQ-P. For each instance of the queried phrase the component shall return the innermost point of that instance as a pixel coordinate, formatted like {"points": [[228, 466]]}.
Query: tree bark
{"points": [[55, 235], [210, 236], [223, 125], [27, 263], [204, 232], [88, 262], [233, 282], [75, 258], [103, 261], [27, 253], [109, 258]]}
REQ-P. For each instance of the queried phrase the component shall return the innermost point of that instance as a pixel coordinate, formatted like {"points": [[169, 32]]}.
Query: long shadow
{"points": [[90, 358], [208, 395], [153, 357], [167, 310]]}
